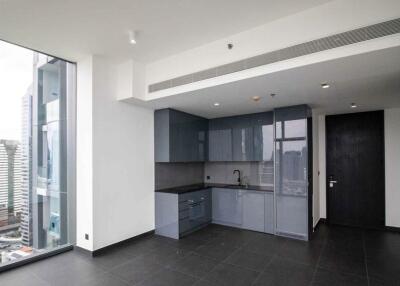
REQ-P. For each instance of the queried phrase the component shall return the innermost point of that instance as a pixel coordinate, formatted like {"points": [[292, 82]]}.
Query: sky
{"points": [[16, 75]]}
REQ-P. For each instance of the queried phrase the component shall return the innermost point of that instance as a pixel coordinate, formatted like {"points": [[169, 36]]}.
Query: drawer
{"points": [[183, 205], [185, 225], [184, 214], [194, 196]]}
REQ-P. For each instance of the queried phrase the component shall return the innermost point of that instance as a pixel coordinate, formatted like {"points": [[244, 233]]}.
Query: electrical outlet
{"points": [[86, 236]]}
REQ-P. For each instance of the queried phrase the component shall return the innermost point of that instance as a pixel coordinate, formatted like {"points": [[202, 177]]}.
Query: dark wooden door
{"points": [[355, 169]]}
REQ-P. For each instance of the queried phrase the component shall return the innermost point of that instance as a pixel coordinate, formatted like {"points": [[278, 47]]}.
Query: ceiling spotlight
{"points": [[325, 85], [256, 98], [353, 105], [216, 103], [132, 37]]}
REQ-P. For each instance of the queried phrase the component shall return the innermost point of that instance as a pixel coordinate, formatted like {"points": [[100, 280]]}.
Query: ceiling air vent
{"points": [[322, 44]]}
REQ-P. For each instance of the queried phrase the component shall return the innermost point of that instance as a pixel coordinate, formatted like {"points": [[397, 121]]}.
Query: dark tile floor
{"points": [[220, 255]]}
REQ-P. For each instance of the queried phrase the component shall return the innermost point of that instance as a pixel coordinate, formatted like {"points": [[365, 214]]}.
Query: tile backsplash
{"points": [[256, 173], [169, 175]]}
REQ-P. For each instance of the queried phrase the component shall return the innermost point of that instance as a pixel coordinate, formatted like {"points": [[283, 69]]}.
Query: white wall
{"points": [[122, 164], [392, 166], [84, 158]]}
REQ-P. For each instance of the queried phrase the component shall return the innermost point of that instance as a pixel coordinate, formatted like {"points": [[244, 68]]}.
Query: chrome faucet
{"points": [[239, 180]]}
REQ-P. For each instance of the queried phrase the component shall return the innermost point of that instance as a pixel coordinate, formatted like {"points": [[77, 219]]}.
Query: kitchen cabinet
{"points": [[263, 134], [220, 140], [227, 207], [179, 137], [179, 214], [220, 145], [241, 138], [253, 210]]}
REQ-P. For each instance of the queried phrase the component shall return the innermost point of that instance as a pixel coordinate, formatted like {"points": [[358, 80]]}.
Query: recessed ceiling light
{"points": [[353, 105], [325, 85], [256, 98], [132, 37], [216, 103]]}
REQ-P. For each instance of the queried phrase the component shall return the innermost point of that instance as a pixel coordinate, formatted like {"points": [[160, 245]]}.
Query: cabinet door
{"points": [[220, 145], [226, 207], [253, 210], [263, 131], [269, 213], [243, 143], [188, 137]]}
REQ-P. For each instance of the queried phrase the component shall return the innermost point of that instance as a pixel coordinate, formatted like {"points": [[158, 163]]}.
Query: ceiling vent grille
{"points": [[322, 44]]}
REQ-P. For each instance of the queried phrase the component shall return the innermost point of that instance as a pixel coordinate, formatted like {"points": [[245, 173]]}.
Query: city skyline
{"points": [[16, 72]]}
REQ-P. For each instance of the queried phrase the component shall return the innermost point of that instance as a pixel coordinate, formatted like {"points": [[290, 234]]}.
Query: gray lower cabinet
{"points": [[247, 209], [253, 210], [178, 215], [227, 207]]}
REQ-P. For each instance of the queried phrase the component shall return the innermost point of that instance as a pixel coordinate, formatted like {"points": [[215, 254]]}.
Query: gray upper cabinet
{"points": [[227, 207], [182, 137], [253, 210], [179, 137], [241, 138], [263, 131], [220, 140]]}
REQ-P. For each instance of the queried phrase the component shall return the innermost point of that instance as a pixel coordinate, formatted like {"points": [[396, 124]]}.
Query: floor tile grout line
{"points": [[262, 272], [365, 258], [318, 261]]}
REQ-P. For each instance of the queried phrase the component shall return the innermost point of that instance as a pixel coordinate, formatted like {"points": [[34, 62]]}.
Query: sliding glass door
{"points": [[37, 160]]}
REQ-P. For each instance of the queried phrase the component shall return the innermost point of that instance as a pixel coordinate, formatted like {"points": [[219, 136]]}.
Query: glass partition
{"points": [[36, 185], [291, 172]]}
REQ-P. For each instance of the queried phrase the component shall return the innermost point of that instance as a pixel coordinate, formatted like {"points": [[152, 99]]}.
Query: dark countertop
{"points": [[192, 188]]}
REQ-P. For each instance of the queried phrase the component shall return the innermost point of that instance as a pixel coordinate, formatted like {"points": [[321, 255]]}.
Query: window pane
{"points": [[33, 192], [295, 128]]}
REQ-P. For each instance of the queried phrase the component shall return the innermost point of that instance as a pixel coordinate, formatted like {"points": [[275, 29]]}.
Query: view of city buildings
{"points": [[33, 197], [16, 189]]}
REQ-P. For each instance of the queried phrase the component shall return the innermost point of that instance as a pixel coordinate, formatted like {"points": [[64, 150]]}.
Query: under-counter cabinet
{"points": [[243, 208], [227, 207], [179, 214], [253, 210]]}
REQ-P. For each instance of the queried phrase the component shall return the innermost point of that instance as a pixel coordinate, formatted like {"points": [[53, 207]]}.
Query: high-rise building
{"points": [[10, 183], [26, 161]]}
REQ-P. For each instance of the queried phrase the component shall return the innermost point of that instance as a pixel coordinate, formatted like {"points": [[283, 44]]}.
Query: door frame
{"points": [[384, 170]]}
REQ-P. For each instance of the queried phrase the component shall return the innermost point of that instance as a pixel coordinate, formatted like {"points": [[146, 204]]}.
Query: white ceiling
{"points": [[371, 80], [74, 28]]}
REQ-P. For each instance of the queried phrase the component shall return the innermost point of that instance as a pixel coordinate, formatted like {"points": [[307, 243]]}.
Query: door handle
{"points": [[331, 182]]}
